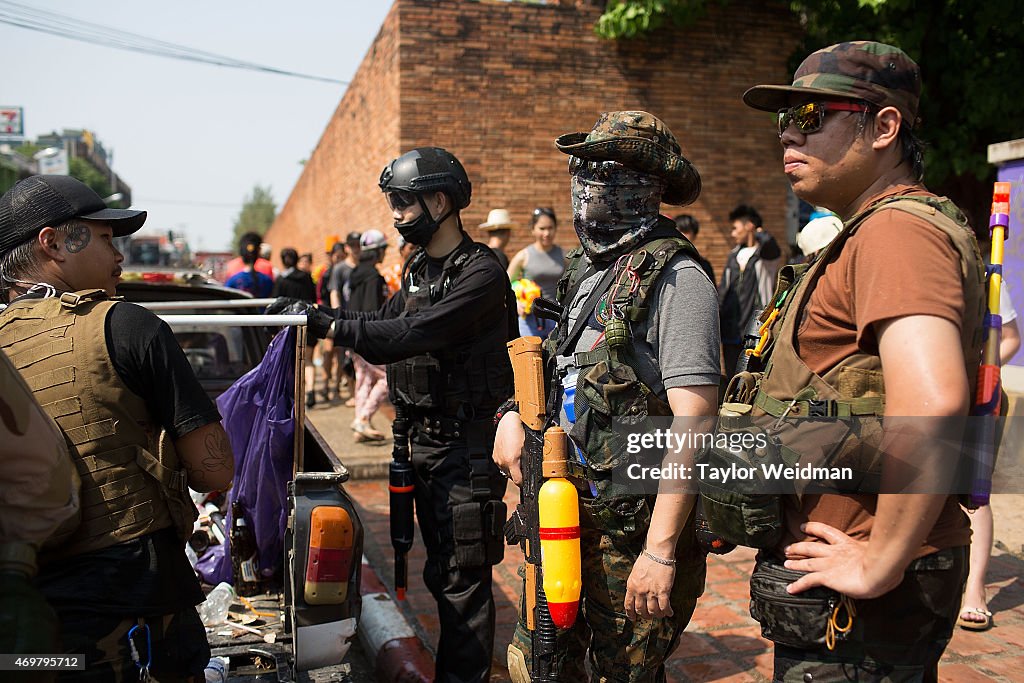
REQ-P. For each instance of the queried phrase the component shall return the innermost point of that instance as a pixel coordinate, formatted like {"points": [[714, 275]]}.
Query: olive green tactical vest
{"points": [[854, 387], [741, 512], [132, 483]]}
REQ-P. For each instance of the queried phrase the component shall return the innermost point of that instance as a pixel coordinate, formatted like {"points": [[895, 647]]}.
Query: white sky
{"points": [[193, 139]]}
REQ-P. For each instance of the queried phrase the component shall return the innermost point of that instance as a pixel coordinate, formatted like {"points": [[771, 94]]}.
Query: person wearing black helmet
{"points": [[443, 336]]}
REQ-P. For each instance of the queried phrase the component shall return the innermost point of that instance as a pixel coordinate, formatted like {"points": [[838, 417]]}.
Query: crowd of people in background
{"points": [[357, 264]]}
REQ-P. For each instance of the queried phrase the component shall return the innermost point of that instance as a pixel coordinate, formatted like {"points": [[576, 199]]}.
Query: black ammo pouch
{"points": [[478, 533], [416, 382], [478, 527], [800, 621]]}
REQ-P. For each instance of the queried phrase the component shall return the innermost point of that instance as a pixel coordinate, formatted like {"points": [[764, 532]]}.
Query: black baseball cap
{"points": [[352, 239], [47, 200]]}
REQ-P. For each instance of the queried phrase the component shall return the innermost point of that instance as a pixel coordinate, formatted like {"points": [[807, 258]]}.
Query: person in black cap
{"points": [[443, 337], [139, 428]]}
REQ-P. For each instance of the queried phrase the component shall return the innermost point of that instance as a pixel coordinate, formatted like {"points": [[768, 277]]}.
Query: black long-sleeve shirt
{"points": [[475, 303]]}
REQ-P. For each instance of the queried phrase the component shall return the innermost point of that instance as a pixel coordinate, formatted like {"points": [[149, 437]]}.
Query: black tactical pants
{"points": [[463, 540], [898, 637]]}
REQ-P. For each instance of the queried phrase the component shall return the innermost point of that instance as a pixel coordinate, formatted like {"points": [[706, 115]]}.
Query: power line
{"points": [[64, 26]]}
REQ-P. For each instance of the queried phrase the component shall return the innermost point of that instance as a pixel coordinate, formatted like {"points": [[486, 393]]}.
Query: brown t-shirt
{"points": [[894, 265]]}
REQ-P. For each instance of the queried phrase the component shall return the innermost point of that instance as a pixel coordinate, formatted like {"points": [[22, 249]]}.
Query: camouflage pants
{"points": [[897, 637], [612, 537], [180, 648]]}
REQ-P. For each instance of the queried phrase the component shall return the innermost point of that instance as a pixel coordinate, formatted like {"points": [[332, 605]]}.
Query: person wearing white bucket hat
{"points": [[499, 229], [817, 234]]}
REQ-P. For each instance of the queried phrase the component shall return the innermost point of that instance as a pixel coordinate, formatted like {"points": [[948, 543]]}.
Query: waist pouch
{"points": [[738, 510], [800, 621]]}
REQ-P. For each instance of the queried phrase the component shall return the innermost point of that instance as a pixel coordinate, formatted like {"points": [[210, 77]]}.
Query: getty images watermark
{"points": [[672, 442], [952, 456]]}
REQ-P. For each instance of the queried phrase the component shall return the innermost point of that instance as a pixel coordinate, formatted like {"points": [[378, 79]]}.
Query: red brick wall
{"points": [[497, 82]]}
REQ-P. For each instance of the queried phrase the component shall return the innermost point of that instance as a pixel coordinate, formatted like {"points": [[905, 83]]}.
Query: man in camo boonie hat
{"points": [[877, 73], [642, 142]]}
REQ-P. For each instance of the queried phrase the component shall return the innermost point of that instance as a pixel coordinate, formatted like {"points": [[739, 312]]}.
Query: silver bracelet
{"points": [[659, 560]]}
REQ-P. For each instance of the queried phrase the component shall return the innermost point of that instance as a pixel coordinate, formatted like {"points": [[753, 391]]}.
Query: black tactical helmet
{"points": [[428, 169]]}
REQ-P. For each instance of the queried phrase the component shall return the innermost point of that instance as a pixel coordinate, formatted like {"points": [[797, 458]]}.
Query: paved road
{"points": [[722, 643]]}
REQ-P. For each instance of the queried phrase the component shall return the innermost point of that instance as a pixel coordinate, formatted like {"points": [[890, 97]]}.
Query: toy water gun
{"points": [[526, 292], [546, 523], [988, 400]]}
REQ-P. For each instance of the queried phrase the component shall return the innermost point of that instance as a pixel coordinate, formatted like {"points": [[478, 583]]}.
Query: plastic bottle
{"points": [[245, 566], [214, 609], [217, 670]]}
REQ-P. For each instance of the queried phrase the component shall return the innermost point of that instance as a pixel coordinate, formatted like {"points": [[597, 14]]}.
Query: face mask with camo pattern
{"points": [[614, 207]]}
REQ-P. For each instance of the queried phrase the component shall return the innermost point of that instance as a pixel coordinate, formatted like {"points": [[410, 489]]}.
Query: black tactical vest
{"points": [[471, 375]]}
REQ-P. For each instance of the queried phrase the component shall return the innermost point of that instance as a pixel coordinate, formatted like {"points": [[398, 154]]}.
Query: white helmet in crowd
{"points": [[373, 240]]}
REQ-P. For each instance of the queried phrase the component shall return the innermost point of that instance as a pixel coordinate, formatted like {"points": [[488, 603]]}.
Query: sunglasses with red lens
{"points": [[809, 118], [400, 200]]}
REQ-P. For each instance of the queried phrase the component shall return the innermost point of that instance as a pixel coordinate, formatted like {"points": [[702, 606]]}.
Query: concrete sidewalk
{"points": [[722, 642]]}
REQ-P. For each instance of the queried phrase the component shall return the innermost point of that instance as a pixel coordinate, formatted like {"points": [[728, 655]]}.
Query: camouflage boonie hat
{"points": [[861, 70], [642, 142]]}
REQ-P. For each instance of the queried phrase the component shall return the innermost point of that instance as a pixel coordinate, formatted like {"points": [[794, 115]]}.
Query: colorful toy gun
{"points": [[526, 292], [987, 402], [546, 522], [400, 487]]}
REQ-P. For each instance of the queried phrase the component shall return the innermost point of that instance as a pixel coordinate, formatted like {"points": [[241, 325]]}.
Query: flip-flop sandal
{"points": [[969, 625]]}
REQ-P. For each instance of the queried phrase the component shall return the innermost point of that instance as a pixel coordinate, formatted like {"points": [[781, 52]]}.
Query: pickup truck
{"points": [[301, 632]]}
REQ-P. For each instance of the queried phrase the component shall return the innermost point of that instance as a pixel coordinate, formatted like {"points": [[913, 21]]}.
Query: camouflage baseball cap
{"points": [[861, 70], [642, 142]]}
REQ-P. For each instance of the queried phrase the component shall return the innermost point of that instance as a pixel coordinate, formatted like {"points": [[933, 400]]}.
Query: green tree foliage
{"points": [[257, 214], [90, 175], [971, 53], [632, 18]]}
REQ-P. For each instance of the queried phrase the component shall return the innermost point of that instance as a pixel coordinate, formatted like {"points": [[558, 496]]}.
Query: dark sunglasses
{"points": [[399, 200], [809, 118], [544, 211]]}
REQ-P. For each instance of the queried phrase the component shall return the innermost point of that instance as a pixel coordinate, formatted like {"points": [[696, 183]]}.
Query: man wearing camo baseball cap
{"points": [[896, 296]]}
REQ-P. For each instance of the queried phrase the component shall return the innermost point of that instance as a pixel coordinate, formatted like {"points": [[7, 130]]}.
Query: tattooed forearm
{"points": [[78, 238]]}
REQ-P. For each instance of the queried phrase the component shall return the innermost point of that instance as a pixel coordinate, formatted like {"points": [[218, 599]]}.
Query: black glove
{"points": [[318, 318], [280, 304]]}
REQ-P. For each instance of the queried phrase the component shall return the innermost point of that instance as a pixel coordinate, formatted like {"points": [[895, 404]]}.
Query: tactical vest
{"points": [[471, 376], [853, 388], [608, 388], [132, 483]]}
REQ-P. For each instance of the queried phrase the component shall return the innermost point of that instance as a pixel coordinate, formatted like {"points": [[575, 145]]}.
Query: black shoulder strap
{"points": [[588, 307], [464, 254]]}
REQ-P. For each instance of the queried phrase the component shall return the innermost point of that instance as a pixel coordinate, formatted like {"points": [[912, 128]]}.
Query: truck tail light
{"points": [[329, 562]]}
